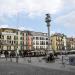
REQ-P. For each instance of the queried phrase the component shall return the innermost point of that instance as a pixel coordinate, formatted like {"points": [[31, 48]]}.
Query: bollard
{"points": [[6, 58], [29, 60], [63, 63], [17, 58], [11, 58]]}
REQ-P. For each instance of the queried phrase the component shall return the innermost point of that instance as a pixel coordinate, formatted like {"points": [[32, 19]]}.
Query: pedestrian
{"points": [[6, 54]]}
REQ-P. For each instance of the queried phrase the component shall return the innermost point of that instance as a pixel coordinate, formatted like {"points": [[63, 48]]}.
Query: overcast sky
{"points": [[30, 15]]}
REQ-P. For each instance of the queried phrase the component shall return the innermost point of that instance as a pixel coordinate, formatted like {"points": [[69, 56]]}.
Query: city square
{"points": [[37, 37]]}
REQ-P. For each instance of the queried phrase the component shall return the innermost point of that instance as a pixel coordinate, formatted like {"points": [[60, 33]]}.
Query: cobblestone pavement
{"points": [[35, 67], [8, 68]]}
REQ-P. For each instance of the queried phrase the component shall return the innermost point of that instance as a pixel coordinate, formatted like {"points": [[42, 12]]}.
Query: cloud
{"points": [[4, 26], [8, 7], [20, 27], [67, 20], [25, 28], [52, 32], [66, 23], [13, 7], [68, 5], [69, 2]]}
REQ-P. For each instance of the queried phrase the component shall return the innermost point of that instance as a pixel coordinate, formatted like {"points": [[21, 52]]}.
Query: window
{"points": [[61, 39], [40, 42], [17, 42], [43, 42], [21, 47], [20, 38], [41, 38], [23, 34], [12, 43], [21, 42], [41, 47], [20, 33], [26, 34], [37, 38], [0, 41], [0, 46], [37, 47], [15, 37], [46, 38], [33, 43], [8, 47], [17, 33], [46, 43], [33, 37], [8, 37], [8, 42], [37, 42], [0, 36]]}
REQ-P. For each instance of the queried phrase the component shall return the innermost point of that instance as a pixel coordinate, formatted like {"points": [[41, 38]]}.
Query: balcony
{"points": [[6, 33]]}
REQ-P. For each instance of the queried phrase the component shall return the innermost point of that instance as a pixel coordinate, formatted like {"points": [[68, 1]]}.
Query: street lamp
{"points": [[48, 20]]}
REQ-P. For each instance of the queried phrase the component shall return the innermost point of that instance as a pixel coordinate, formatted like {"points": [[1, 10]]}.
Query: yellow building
{"points": [[58, 42]]}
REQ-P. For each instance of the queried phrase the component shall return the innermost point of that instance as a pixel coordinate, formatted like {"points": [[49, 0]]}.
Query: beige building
{"points": [[70, 43], [58, 42], [12, 39]]}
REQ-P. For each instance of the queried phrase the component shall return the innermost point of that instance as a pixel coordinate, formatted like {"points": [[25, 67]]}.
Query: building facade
{"points": [[29, 40], [37, 41], [21, 40], [58, 42], [70, 43], [40, 40], [12, 39]]}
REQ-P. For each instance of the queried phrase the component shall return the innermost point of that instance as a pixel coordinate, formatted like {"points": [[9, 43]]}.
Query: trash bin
{"points": [[72, 60]]}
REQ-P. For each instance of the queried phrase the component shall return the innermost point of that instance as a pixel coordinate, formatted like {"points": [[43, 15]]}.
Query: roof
{"points": [[36, 33], [11, 29], [58, 34], [33, 33]]}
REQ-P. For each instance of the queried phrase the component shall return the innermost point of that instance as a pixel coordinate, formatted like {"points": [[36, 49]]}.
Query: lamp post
{"points": [[48, 20]]}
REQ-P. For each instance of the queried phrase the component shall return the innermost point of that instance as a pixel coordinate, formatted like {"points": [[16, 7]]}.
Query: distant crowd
{"points": [[20, 54]]}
